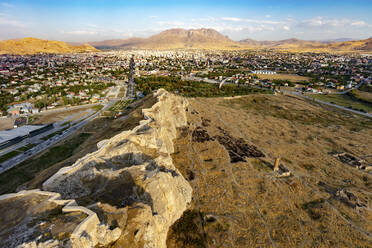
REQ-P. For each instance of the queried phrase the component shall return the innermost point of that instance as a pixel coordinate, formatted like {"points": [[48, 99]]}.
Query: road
{"points": [[331, 104], [10, 163], [295, 93], [39, 138]]}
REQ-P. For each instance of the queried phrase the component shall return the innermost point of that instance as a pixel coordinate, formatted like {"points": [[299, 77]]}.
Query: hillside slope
{"points": [[317, 198], [33, 46], [302, 45]]}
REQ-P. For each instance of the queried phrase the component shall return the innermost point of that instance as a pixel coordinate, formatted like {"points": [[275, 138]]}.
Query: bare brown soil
{"points": [[243, 203], [6, 123], [54, 116], [25, 219]]}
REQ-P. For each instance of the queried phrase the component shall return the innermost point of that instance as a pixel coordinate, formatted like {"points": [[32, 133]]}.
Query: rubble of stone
{"points": [[129, 188], [353, 161]]}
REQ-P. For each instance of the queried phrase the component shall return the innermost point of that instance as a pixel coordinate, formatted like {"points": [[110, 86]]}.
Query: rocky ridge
{"points": [[129, 189], [33, 46]]}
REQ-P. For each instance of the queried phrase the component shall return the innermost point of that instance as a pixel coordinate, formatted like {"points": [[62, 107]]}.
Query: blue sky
{"points": [[93, 20]]}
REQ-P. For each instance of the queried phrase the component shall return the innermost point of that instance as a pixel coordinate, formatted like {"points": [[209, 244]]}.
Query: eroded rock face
{"points": [[35, 218], [134, 171], [129, 188]]}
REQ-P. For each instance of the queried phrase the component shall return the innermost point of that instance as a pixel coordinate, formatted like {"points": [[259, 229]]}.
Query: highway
{"points": [[10, 163]]}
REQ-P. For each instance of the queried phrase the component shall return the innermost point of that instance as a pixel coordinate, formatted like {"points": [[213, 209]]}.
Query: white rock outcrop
{"points": [[155, 187], [89, 233]]}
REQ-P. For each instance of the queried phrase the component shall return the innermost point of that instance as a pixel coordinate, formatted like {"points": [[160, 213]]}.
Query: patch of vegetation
{"points": [[261, 165], [366, 88], [193, 88], [187, 230], [286, 160], [26, 171], [97, 107], [264, 105], [121, 105], [9, 155], [346, 100], [26, 147], [67, 123], [361, 96], [312, 208], [307, 166], [54, 134]]}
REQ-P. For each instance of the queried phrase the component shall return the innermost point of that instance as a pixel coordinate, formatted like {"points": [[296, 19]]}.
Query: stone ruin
{"points": [[353, 161]]}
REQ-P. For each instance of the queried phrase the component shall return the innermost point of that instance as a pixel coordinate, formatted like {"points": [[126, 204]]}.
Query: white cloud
{"points": [[359, 23], [7, 20], [236, 19], [321, 22], [233, 19], [80, 32], [171, 23]]}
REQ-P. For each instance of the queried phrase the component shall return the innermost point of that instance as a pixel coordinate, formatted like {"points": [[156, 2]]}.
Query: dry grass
{"points": [[250, 205], [290, 77]]}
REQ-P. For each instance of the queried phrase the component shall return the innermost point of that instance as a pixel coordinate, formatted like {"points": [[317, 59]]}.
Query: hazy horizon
{"points": [[87, 21]]}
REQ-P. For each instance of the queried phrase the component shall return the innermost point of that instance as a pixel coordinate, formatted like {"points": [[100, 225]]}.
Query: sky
{"points": [[96, 20]]}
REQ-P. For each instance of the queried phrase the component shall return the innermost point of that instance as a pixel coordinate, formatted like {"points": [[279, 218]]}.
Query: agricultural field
{"points": [[290, 77], [193, 88]]}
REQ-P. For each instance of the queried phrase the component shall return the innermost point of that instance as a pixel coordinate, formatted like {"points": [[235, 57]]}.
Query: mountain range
{"points": [[174, 39], [211, 39], [33, 46], [185, 39]]}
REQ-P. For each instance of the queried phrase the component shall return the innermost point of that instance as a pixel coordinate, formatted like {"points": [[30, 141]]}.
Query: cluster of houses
{"points": [[30, 78]]}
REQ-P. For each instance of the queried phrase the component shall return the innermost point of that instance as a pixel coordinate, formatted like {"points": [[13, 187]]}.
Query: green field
{"points": [[346, 101], [194, 88], [120, 105]]}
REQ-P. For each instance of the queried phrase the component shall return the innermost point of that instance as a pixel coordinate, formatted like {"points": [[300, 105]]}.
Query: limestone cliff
{"points": [[129, 188]]}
